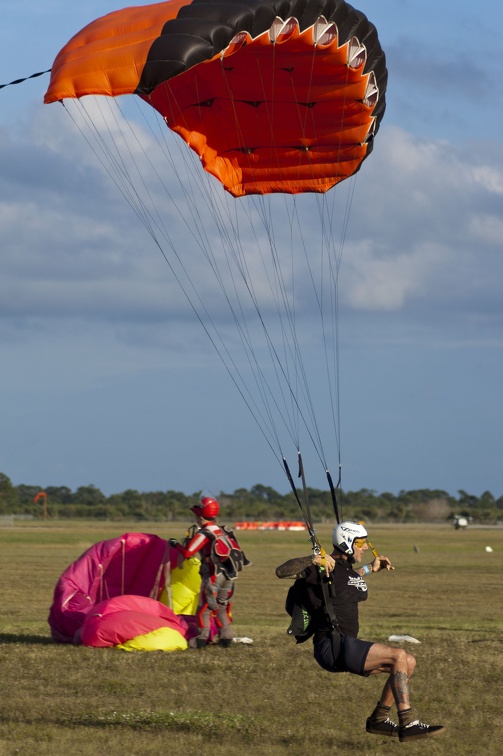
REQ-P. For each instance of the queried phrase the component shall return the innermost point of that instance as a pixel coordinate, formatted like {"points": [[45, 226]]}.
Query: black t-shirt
{"points": [[347, 589]]}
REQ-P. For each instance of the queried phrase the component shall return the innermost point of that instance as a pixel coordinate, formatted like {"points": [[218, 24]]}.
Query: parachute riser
{"points": [[304, 508], [332, 493]]}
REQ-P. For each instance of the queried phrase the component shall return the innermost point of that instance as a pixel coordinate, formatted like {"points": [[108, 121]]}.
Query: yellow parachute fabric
{"points": [[185, 587], [162, 639]]}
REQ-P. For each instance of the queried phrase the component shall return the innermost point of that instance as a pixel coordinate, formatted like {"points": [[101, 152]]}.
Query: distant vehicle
{"points": [[460, 522]]}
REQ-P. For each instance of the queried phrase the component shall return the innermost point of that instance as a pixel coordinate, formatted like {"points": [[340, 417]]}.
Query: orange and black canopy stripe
{"points": [[268, 107]]}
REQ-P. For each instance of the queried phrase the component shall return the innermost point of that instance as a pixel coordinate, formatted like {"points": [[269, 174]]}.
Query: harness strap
{"points": [[335, 632]]}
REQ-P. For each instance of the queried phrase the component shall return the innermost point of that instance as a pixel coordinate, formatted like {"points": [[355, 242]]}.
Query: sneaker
{"points": [[384, 727], [416, 730]]}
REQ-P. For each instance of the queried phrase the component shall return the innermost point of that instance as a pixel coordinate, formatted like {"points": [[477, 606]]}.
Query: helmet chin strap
{"points": [[348, 557]]}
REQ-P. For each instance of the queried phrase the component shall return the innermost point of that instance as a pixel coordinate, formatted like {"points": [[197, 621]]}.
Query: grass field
{"points": [[268, 698]]}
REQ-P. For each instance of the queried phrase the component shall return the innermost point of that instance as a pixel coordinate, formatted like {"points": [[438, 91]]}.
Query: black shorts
{"points": [[351, 658]]}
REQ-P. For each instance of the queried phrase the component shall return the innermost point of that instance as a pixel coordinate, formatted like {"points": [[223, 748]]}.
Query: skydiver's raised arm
{"points": [[294, 567]]}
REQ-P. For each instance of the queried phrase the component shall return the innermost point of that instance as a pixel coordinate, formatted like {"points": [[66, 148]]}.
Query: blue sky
{"points": [[107, 378]]}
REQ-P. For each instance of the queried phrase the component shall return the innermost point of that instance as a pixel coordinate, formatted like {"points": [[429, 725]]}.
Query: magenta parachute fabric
{"points": [[120, 619], [134, 563]]}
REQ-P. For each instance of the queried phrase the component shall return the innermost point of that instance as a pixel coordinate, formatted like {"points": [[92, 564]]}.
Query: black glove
{"points": [[173, 542]]}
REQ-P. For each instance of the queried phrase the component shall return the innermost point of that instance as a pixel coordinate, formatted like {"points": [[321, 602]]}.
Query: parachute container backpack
{"points": [[226, 553], [271, 104]]}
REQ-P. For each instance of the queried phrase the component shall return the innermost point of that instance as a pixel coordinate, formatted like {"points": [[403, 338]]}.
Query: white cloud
{"points": [[427, 235], [418, 230], [486, 229], [489, 177], [375, 283]]}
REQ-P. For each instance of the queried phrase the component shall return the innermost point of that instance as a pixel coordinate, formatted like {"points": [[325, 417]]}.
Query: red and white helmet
{"points": [[344, 535], [208, 508]]}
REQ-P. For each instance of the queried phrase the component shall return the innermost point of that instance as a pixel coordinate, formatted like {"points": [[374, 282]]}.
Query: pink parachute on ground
{"points": [[110, 594], [118, 621]]}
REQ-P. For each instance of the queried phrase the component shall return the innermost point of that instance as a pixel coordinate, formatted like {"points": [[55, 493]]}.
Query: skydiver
{"points": [[217, 577], [346, 588]]}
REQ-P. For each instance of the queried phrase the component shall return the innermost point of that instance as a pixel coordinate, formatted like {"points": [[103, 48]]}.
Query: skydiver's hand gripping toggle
{"points": [[324, 560], [380, 562]]}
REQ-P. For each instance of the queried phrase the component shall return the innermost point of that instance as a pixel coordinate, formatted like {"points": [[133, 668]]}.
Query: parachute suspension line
{"points": [[123, 573], [134, 200], [295, 349], [283, 305], [242, 266], [333, 260], [330, 321], [326, 243], [279, 287], [332, 370], [234, 251], [239, 259], [209, 198], [303, 119], [304, 506], [333, 494], [304, 490], [306, 156], [276, 287], [287, 360], [300, 371], [317, 295], [291, 361], [292, 352], [327, 235], [291, 348], [108, 160], [278, 363]]}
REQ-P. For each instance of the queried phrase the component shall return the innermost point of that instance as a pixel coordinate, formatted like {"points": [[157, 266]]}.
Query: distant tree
{"points": [[259, 503], [487, 500], [265, 493], [467, 500], [26, 495], [9, 498], [89, 496], [61, 494]]}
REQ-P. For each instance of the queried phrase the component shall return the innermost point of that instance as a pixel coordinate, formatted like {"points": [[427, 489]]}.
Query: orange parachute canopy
{"points": [[273, 95]]}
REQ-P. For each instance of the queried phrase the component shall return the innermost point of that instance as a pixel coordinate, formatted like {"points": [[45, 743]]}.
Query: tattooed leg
{"points": [[399, 682], [400, 666]]}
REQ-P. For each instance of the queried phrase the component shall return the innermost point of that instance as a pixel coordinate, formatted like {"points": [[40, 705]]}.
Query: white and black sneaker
{"points": [[417, 730], [384, 727]]}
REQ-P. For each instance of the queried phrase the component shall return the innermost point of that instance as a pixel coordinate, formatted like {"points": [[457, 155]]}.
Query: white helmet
{"points": [[344, 534]]}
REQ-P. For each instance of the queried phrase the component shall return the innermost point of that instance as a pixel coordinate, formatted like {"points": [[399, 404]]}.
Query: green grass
{"points": [[268, 698]]}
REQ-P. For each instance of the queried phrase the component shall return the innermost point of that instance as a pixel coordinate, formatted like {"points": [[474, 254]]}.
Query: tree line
{"points": [[258, 503]]}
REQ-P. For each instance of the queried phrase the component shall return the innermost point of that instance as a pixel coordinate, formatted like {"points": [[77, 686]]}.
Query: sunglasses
{"points": [[359, 542]]}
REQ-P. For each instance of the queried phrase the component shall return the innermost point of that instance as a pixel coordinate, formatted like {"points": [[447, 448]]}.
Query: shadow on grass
{"points": [[486, 640], [210, 724], [28, 639]]}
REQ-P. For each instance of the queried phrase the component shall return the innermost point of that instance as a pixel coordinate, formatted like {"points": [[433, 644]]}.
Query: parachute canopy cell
{"points": [[273, 95]]}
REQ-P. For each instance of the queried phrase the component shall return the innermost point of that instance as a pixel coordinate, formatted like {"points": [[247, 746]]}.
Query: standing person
{"points": [[221, 560], [335, 629]]}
